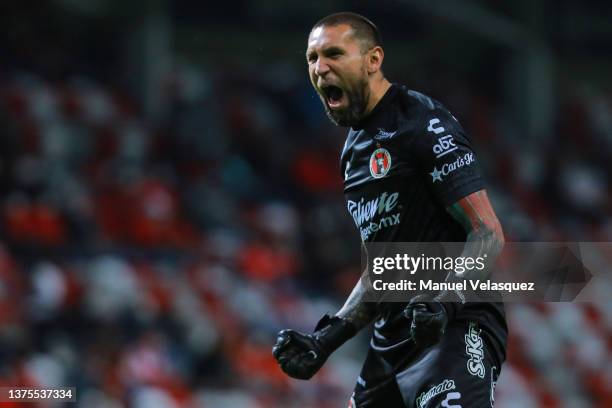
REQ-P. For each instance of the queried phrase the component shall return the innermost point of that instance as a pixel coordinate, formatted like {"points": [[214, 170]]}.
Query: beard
{"points": [[357, 101]]}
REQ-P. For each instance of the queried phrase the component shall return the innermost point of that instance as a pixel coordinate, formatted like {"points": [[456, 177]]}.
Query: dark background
{"points": [[170, 191]]}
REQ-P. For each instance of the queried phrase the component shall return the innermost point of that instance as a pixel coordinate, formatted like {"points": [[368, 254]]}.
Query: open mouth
{"points": [[334, 96]]}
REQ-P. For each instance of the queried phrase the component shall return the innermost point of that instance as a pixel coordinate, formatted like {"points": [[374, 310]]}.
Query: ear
{"points": [[375, 58]]}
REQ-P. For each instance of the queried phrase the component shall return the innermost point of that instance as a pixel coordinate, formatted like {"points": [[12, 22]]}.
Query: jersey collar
{"points": [[377, 113]]}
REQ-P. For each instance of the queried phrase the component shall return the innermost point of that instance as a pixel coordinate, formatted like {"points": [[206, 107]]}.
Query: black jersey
{"points": [[402, 166]]}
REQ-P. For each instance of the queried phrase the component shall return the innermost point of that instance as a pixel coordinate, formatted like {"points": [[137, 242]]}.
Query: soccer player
{"points": [[406, 149]]}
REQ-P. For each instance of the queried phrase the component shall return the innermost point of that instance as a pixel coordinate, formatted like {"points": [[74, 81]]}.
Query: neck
{"points": [[377, 91]]}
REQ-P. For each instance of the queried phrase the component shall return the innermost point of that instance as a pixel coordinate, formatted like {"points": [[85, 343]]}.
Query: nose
{"points": [[321, 67]]}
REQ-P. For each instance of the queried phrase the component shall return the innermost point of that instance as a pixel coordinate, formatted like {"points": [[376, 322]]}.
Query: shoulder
{"points": [[425, 118], [420, 106], [417, 100]]}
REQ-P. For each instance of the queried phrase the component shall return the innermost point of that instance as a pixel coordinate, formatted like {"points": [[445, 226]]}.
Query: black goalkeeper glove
{"points": [[431, 316], [302, 355]]}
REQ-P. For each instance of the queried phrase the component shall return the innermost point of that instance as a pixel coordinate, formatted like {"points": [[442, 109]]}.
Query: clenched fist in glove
{"points": [[429, 317], [302, 355]]}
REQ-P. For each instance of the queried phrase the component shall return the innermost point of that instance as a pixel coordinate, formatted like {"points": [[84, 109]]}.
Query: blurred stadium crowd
{"points": [[150, 262], [153, 265]]}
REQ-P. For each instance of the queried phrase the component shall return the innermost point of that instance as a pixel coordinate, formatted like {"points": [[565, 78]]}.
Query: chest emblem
{"points": [[380, 163]]}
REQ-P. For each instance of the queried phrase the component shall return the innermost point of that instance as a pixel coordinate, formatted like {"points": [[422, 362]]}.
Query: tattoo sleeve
{"points": [[485, 235], [355, 309]]}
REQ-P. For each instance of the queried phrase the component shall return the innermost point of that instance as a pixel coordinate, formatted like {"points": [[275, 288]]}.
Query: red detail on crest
{"points": [[380, 161]]}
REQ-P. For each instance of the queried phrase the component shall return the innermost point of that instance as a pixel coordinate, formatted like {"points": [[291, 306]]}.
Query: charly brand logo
{"points": [[437, 129], [444, 386], [383, 135], [447, 168], [449, 398], [363, 212], [474, 349], [380, 163]]}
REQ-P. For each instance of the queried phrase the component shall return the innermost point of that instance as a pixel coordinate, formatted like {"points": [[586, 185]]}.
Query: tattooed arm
{"points": [[485, 238], [355, 310], [485, 235], [301, 355]]}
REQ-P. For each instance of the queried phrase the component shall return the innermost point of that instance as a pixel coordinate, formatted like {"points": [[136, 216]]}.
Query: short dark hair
{"points": [[363, 28]]}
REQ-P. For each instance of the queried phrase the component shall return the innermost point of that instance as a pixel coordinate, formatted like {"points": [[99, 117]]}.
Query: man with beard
{"points": [[400, 149]]}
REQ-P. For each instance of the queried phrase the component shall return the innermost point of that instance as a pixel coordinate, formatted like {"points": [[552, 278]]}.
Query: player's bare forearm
{"points": [[356, 310], [485, 239], [301, 355], [485, 235]]}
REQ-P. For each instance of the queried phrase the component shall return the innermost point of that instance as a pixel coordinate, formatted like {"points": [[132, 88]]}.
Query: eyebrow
{"points": [[334, 49]]}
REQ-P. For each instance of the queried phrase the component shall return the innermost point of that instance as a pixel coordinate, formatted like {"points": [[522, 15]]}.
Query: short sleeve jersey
{"points": [[402, 166]]}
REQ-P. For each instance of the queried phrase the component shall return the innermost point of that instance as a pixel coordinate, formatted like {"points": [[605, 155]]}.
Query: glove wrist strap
{"points": [[332, 332], [452, 302]]}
